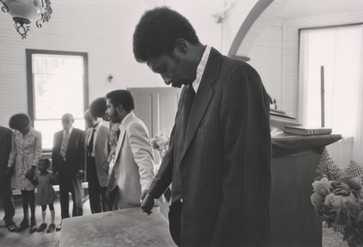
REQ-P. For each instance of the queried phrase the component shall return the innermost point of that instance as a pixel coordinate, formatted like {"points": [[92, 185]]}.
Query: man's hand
{"points": [[105, 167], [147, 202]]}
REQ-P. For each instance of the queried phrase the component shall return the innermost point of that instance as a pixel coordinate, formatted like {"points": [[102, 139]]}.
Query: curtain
{"points": [[340, 51]]}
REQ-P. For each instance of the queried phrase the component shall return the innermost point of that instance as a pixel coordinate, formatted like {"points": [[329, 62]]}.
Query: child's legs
{"points": [[44, 212], [52, 213]]}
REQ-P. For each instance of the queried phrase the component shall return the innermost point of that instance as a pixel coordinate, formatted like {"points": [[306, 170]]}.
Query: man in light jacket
{"points": [[131, 167]]}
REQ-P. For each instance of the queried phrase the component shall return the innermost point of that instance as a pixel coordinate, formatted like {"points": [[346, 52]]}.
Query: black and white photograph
{"points": [[181, 123]]}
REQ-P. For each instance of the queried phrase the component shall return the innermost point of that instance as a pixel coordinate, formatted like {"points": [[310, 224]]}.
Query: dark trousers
{"points": [[97, 194], [174, 216], [70, 185], [7, 199]]}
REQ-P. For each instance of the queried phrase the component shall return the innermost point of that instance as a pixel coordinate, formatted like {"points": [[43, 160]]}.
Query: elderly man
{"points": [[219, 157], [68, 159]]}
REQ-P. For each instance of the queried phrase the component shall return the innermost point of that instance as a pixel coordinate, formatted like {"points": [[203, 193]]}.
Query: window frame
{"points": [[30, 79]]}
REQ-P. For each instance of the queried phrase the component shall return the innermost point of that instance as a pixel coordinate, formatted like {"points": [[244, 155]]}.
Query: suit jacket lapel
{"points": [[117, 151], [201, 99], [119, 143], [70, 141], [59, 140]]}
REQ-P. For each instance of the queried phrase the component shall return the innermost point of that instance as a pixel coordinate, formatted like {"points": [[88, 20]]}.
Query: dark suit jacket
{"points": [[5, 148], [224, 161], [74, 153]]}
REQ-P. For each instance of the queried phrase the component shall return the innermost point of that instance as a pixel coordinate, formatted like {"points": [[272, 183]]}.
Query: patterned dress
{"points": [[26, 152]]}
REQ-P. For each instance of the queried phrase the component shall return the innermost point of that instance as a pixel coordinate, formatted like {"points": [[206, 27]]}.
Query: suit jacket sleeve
{"points": [[142, 152], [85, 150], [5, 149], [13, 153], [164, 176], [37, 149], [55, 153], [103, 138], [81, 151], [246, 174]]}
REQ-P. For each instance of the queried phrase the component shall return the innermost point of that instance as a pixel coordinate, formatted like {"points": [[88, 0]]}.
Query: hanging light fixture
{"points": [[24, 12]]}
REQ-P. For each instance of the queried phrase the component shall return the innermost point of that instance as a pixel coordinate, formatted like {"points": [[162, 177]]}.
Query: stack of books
{"points": [[280, 119], [306, 131]]}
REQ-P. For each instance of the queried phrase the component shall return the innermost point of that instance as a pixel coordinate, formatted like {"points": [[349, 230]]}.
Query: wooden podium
{"points": [[293, 168]]}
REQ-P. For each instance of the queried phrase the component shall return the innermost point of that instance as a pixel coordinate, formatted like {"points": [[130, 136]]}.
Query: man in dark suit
{"points": [[218, 161], [68, 160], [5, 178], [97, 149]]}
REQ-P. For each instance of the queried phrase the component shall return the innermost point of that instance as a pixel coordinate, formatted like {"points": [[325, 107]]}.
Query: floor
{"points": [[25, 239]]}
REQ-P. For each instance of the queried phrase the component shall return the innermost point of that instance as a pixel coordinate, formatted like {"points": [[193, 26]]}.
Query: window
{"points": [[339, 51], [57, 84]]}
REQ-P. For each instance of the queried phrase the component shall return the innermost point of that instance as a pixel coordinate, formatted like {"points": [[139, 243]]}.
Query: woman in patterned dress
{"points": [[24, 158]]}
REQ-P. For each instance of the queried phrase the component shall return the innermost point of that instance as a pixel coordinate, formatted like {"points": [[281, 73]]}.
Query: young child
{"points": [[45, 194]]}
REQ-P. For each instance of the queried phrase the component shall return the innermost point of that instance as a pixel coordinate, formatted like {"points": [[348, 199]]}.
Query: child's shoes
{"points": [[42, 227]]}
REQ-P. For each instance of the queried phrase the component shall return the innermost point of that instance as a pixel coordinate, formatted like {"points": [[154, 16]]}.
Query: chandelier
{"points": [[24, 12]]}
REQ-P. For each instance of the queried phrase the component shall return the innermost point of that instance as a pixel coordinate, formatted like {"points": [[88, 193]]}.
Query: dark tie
{"points": [[188, 102], [118, 132], [90, 144]]}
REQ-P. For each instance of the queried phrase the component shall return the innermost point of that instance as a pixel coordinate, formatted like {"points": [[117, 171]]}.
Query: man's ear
{"points": [[181, 46], [119, 109]]}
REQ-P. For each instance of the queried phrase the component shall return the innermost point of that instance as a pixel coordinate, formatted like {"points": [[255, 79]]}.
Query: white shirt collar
{"points": [[201, 68]]}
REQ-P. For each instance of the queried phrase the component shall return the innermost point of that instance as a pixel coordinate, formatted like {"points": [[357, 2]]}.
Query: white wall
{"points": [[103, 29], [234, 20], [266, 58]]}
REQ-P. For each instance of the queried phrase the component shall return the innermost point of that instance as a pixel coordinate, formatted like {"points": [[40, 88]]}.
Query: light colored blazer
{"points": [[132, 166], [101, 151]]}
